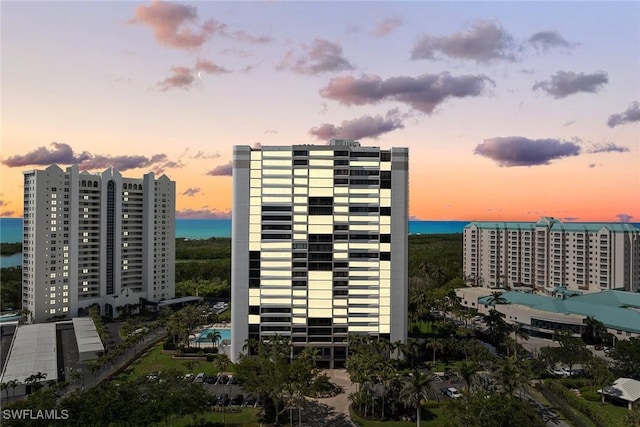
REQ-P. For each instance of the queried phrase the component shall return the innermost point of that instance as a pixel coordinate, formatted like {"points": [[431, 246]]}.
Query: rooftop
{"points": [[615, 309], [33, 350]]}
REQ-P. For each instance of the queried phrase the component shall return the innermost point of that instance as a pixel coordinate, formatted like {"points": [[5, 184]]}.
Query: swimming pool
{"points": [[225, 334]]}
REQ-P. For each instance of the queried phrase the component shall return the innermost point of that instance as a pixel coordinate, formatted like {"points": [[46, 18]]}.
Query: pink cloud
{"points": [[174, 25]]}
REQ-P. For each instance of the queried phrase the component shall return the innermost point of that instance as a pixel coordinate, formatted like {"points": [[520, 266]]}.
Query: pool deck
{"points": [[207, 343]]}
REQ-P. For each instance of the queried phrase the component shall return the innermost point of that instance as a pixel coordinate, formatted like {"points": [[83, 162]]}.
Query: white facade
{"points": [[319, 245], [548, 254], [95, 239]]}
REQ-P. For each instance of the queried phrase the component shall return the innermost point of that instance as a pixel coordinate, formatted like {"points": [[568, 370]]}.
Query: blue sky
{"points": [[511, 110]]}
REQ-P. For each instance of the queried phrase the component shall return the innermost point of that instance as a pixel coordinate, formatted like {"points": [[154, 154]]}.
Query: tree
{"points": [[594, 330], [416, 389], [467, 370], [271, 375], [496, 298], [572, 349], [13, 384], [626, 358], [518, 331], [496, 326], [214, 337], [489, 410], [599, 370], [435, 344]]}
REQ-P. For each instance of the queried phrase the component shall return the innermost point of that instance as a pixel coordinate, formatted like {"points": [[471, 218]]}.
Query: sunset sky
{"points": [[511, 110]]}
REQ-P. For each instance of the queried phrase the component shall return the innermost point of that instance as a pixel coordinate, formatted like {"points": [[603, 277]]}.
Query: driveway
{"points": [[331, 411]]}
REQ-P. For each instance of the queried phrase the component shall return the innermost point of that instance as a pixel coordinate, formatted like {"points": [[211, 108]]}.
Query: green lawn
{"points": [[154, 361], [614, 414], [247, 417]]}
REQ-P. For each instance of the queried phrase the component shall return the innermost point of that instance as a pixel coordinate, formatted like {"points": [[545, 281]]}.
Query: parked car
{"points": [[200, 378], [250, 401], [223, 400], [609, 351], [598, 347], [453, 393], [237, 400]]}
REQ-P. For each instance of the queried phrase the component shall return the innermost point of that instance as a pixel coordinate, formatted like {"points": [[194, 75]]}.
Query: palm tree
{"points": [[594, 329], [13, 384], [412, 349], [435, 344], [496, 298], [518, 331], [467, 370], [416, 389], [214, 337]]}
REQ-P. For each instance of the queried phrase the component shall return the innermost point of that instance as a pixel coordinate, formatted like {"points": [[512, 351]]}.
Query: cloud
{"points": [[570, 218], [191, 191], [569, 123], [321, 57], [222, 170], [546, 40], [203, 155], [363, 127], [174, 25], [7, 213], [204, 213], [565, 83], [423, 93], [631, 114], [209, 67], [607, 148], [182, 78], [521, 151], [63, 154], [623, 217], [386, 26], [1, 202], [483, 42]]}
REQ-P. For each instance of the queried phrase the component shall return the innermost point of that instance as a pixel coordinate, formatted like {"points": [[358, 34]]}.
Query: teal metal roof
{"points": [[557, 225], [615, 309], [594, 227], [526, 226]]}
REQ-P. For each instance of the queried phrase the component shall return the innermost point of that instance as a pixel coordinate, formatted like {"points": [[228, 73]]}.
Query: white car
{"points": [[453, 393]]}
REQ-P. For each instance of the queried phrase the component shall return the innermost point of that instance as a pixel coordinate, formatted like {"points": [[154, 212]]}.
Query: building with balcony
{"points": [[551, 255], [319, 245], [95, 239]]}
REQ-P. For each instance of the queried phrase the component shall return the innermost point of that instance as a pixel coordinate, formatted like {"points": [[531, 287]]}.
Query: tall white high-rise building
{"points": [[95, 239], [551, 254], [319, 245]]}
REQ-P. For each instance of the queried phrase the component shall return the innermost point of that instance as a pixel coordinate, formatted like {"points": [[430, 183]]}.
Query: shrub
{"points": [[168, 345]]}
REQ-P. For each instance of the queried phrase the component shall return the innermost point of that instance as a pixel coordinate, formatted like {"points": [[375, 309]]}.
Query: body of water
{"points": [[225, 334], [11, 228]]}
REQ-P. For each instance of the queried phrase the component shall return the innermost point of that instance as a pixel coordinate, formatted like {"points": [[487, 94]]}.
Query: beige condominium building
{"points": [[319, 245], [551, 254], [95, 239]]}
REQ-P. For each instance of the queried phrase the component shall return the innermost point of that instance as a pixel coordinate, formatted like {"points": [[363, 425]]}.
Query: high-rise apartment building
{"points": [[319, 245], [95, 239], [551, 254]]}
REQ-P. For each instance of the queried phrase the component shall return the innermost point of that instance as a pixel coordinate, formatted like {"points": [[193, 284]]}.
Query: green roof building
{"points": [[553, 256]]}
